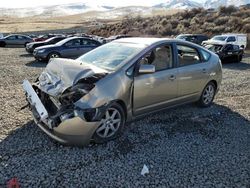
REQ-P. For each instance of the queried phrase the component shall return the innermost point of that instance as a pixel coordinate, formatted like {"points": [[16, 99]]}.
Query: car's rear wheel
{"points": [[207, 95], [53, 55], [2, 44], [111, 125]]}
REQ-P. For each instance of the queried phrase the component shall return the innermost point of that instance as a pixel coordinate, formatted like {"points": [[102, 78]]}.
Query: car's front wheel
{"points": [[111, 124], [53, 55], [207, 95]]}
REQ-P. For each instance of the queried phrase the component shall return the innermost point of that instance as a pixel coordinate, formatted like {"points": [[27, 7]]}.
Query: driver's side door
{"points": [[157, 90]]}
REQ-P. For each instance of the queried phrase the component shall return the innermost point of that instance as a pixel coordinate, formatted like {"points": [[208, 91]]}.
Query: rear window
{"points": [[205, 55]]}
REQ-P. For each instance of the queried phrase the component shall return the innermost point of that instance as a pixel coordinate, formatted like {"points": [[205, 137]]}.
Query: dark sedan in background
{"points": [[31, 46], [72, 47], [228, 52], [15, 39], [45, 37]]}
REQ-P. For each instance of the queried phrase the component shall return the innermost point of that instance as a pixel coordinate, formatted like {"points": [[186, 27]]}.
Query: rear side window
{"points": [[205, 55], [187, 55]]}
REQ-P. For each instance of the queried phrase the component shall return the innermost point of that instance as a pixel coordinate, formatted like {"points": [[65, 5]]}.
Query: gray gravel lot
{"points": [[183, 147]]}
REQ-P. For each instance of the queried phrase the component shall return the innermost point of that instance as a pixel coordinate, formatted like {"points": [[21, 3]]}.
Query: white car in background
{"points": [[235, 39]]}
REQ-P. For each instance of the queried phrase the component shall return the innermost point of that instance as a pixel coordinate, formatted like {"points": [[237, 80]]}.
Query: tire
{"points": [[207, 96], [53, 55], [239, 58], [108, 129], [2, 44]]}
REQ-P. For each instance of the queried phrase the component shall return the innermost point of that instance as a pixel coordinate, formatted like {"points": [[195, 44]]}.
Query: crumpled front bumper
{"points": [[73, 131]]}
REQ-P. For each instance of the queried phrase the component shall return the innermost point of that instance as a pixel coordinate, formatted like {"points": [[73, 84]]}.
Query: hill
{"points": [[198, 20]]}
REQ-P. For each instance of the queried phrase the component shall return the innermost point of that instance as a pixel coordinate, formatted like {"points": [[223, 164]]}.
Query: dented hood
{"points": [[61, 74]]}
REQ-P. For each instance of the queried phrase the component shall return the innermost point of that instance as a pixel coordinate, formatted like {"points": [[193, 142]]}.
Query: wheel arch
{"points": [[123, 105]]}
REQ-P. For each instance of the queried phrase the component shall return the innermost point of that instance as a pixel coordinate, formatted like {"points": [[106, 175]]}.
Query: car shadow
{"points": [[26, 55], [36, 63], [243, 65]]}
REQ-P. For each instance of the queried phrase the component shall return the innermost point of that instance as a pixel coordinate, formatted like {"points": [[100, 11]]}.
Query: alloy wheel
{"points": [[110, 123], [54, 56], [208, 94]]}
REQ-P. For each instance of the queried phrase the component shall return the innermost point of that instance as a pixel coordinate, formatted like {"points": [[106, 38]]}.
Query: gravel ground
{"points": [[183, 147]]}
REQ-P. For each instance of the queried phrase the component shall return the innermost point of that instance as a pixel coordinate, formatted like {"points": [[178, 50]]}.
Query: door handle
{"points": [[204, 70], [172, 77]]}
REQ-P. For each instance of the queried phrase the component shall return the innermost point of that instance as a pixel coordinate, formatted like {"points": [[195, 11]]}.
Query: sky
{"points": [[37, 3]]}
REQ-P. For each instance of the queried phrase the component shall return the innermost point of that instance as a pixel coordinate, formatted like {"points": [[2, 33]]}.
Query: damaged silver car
{"points": [[91, 98]]}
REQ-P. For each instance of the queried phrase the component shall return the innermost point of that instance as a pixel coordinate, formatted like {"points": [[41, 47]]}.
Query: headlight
{"points": [[41, 51]]}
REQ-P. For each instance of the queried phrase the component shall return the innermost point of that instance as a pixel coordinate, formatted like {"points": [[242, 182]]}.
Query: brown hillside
{"points": [[224, 20]]}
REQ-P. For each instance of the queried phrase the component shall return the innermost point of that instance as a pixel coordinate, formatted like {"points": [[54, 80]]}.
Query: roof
{"points": [[142, 40]]}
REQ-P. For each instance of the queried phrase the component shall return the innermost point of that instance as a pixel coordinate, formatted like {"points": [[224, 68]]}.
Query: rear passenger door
{"points": [[192, 71]]}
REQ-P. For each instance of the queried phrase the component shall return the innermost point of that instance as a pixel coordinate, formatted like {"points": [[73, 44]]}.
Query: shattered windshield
{"points": [[110, 56], [221, 38]]}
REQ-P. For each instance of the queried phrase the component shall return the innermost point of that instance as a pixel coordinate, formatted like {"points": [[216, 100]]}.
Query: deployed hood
{"points": [[219, 42], [61, 74]]}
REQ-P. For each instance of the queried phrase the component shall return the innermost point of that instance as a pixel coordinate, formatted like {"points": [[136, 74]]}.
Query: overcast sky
{"points": [[35, 3]]}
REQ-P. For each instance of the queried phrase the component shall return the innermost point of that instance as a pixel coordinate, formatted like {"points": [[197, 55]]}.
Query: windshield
{"points": [[110, 56], [221, 38]]}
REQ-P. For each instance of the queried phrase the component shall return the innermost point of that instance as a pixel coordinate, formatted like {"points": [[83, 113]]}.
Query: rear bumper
{"points": [[72, 131]]}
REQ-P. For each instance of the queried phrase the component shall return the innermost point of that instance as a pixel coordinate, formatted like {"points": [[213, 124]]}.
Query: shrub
{"points": [[221, 20], [227, 10], [246, 28]]}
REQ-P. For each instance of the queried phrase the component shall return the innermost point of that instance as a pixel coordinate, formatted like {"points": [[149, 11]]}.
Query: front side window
{"points": [[231, 39], [11, 37], [187, 55], [160, 57]]}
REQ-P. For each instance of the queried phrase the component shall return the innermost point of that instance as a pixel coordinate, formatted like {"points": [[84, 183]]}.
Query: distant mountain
{"points": [[111, 11], [52, 11], [218, 3], [178, 4]]}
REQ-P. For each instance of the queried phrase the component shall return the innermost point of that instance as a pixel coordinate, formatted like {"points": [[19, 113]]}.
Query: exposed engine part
{"points": [[74, 93]]}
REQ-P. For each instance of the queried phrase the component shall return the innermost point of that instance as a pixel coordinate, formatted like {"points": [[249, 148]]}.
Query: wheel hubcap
{"points": [[208, 94], [109, 124], [54, 55]]}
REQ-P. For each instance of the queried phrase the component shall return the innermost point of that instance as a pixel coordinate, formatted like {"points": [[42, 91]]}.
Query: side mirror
{"points": [[146, 69]]}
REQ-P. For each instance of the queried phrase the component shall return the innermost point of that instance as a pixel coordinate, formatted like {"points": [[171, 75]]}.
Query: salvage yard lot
{"points": [[183, 147]]}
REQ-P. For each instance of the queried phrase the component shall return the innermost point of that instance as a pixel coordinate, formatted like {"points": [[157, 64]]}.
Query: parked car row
{"points": [[71, 47]]}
